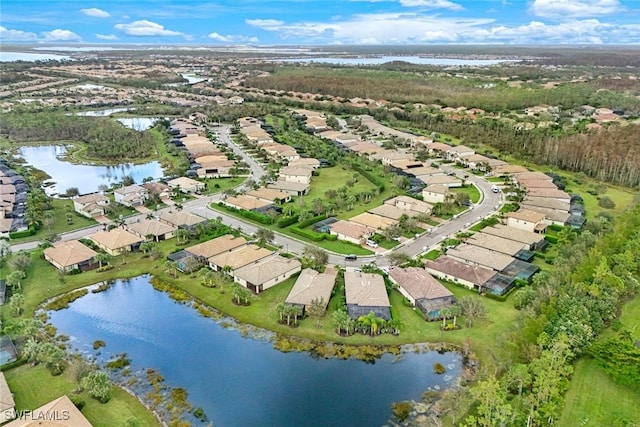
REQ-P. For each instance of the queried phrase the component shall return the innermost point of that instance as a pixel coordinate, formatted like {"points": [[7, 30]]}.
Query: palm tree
{"points": [[280, 308], [371, 322], [147, 246], [454, 312], [264, 235], [16, 302], [102, 258], [5, 251], [182, 236], [15, 279], [296, 311], [207, 276], [171, 267], [445, 313], [240, 294]]}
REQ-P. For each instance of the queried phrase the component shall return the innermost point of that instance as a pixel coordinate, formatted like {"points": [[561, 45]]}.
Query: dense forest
{"points": [[612, 154], [561, 316], [428, 88], [105, 138]]}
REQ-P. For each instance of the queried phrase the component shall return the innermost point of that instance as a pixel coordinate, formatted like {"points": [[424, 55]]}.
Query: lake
{"points": [[410, 59], [241, 380], [24, 56], [87, 178]]}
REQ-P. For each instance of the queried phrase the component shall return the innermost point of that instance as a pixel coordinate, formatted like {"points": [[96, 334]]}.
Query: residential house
{"points": [[551, 193], [422, 290], [248, 203], [131, 195], [265, 273], [410, 204], [70, 255], [447, 268], [390, 211], [299, 174], [532, 241], [376, 222], [180, 218], [163, 191], [528, 220], [443, 180], [307, 161], [457, 151], [351, 231], [270, 195], [292, 188], [475, 255], [239, 257], [186, 185], [366, 292], [116, 241], [312, 286], [496, 243], [199, 254], [61, 412], [91, 205], [436, 194], [152, 229]]}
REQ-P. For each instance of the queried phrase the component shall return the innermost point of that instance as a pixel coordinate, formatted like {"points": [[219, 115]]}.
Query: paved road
{"points": [[257, 171]]}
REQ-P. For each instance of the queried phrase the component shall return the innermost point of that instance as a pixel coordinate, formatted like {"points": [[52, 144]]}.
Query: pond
{"points": [[87, 178], [240, 379]]}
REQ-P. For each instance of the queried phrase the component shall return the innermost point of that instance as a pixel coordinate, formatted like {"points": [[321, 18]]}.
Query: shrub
{"points": [[287, 221], [98, 344], [311, 235], [606, 202], [25, 233], [551, 239], [78, 402], [401, 410], [439, 368]]}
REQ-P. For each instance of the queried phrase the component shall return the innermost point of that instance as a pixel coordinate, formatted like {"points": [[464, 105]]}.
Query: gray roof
{"points": [[512, 233], [312, 285], [496, 243], [365, 289], [266, 269], [470, 273]]}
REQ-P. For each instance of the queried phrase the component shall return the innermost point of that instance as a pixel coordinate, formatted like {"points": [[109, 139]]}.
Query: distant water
{"points": [[410, 59], [242, 380], [24, 56], [104, 113], [138, 123]]}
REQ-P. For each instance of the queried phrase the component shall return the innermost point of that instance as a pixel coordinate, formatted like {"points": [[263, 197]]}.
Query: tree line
{"points": [[105, 138]]}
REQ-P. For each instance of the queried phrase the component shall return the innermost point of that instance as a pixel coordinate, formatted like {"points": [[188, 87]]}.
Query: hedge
{"points": [[25, 233], [312, 220], [371, 177], [551, 239], [254, 216], [287, 221], [311, 235]]}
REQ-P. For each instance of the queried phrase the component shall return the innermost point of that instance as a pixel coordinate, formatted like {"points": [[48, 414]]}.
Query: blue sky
{"points": [[295, 22]]}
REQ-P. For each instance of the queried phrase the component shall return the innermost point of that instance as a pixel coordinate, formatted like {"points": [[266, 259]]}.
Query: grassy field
{"points": [[613, 404], [470, 190], [33, 386], [222, 184]]}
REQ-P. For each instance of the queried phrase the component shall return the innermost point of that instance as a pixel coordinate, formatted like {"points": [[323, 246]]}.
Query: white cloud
{"points": [[431, 4], [59, 35], [146, 28], [96, 13], [229, 38], [414, 28], [265, 24], [106, 36], [16, 35], [573, 9]]}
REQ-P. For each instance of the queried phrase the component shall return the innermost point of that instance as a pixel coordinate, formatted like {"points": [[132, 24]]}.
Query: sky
{"points": [[320, 22]]}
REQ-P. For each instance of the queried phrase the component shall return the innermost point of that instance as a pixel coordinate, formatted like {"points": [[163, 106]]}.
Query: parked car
{"points": [[372, 244], [351, 257]]}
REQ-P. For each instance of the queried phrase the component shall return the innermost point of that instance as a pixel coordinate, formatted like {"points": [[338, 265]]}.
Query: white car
{"points": [[372, 244]]}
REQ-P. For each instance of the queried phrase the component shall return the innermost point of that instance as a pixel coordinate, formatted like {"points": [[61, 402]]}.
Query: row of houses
{"points": [[207, 160], [13, 199], [363, 226], [251, 266], [492, 260], [73, 255], [259, 200]]}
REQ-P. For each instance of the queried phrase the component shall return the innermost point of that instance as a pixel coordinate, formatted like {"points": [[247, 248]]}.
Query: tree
{"points": [[472, 309], [16, 302], [316, 309], [318, 206], [103, 258], [371, 322], [78, 369], [264, 235], [493, 408], [398, 257], [72, 191], [207, 277], [455, 311], [127, 180], [15, 279], [182, 236], [241, 294], [171, 267], [52, 356], [98, 385], [147, 247], [317, 256], [20, 261], [5, 252], [445, 313], [31, 350]]}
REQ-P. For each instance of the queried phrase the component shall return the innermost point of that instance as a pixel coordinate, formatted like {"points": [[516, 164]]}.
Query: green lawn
{"points": [[33, 386], [595, 400], [60, 225], [218, 185], [470, 190]]}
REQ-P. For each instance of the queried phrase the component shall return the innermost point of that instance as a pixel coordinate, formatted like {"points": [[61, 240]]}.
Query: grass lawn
{"points": [[218, 185], [33, 386], [333, 178], [60, 225], [432, 254], [470, 190], [595, 400]]}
